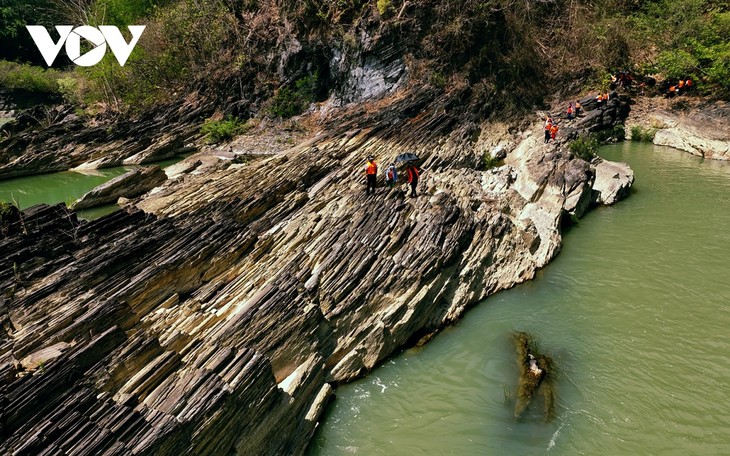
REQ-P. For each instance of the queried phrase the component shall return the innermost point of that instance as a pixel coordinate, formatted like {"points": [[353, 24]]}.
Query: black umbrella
{"points": [[406, 157]]}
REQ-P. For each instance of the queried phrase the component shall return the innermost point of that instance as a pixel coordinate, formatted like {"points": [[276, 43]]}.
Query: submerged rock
{"points": [[129, 185], [536, 370]]}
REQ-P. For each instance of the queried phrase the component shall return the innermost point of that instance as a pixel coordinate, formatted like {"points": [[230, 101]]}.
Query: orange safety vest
{"points": [[412, 173], [672, 89], [688, 83], [372, 168], [681, 84], [554, 129], [599, 98]]}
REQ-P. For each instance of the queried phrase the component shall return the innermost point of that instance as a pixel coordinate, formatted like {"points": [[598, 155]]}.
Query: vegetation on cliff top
{"points": [[511, 52]]}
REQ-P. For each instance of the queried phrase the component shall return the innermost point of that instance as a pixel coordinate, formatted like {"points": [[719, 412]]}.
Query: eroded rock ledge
{"points": [[697, 126], [218, 323]]}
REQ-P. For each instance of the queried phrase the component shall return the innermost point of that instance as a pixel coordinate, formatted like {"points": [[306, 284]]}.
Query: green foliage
{"points": [[28, 77], [438, 79], [289, 102], [489, 162], [122, 12], [585, 147], [692, 38], [183, 43], [217, 131], [15, 41], [677, 64], [9, 213], [639, 133], [5, 209], [384, 6]]}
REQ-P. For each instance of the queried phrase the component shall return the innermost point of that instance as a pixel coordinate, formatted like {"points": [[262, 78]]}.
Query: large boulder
{"points": [[613, 181], [129, 185]]}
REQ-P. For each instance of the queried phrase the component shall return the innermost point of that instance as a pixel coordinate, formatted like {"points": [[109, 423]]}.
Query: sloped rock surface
{"points": [[72, 144], [129, 185], [217, 322]]}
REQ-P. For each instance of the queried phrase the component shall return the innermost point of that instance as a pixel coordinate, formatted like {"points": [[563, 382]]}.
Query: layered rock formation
{"points": [[218, 321], [129, 185], [50, 140]]}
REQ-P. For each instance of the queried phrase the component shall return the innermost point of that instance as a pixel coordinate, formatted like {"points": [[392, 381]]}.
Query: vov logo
{"points": [[98, 37]]}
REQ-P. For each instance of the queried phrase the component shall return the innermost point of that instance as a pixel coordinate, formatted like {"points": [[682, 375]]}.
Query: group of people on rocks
{"points": [[413, 173], [680, 87], [621, 79], [551, 129], [574, 110], [602, 97]]}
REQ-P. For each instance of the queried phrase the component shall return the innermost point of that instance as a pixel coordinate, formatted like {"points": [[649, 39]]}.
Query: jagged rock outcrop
{"points": [[218, 321], [129, 185], [67, 142]]}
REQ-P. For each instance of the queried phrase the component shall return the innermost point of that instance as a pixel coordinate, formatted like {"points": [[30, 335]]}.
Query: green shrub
{"points": [[28, 77], [289, 102], [217, 131], [639, 133], [384, 6], [585, 147], [122, 12], [489, 162]]}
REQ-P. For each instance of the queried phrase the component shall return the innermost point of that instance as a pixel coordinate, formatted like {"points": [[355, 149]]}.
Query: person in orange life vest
{"points": [[548, 125], [680, 86], [570, 111], [413, 173], [599, 99], [371, 172], [672, 91], [687, 84], [553, 131]]}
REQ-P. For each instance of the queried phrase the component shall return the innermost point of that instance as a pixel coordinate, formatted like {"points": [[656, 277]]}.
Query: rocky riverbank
{"points": [[219, 320], [698, 126]]}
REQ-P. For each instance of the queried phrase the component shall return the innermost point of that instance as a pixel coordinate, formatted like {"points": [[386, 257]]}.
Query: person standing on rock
{"points": [[413, 173], [553, 131], [391, 175], [578, 108], [371, 173], [548, 126]]}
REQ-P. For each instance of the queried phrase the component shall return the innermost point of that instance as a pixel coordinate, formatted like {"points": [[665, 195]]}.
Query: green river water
{"points": [[634, 311], [64, 187]]}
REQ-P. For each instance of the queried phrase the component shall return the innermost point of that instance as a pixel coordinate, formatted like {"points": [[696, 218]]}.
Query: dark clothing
{"points": [[547, 134], [372, 178]]}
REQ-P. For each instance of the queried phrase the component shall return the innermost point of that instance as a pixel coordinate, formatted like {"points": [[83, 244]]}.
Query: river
{"points": [[64, 187], [634, 311]]}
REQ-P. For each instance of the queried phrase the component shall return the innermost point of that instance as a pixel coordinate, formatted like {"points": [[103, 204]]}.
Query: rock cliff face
{"points": [[217, 321]]}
